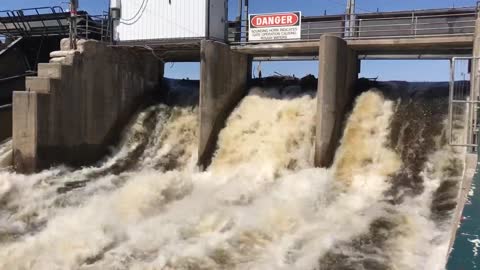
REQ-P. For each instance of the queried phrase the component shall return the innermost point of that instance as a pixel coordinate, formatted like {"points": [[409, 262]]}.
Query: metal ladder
{"points": [[463, 102]]}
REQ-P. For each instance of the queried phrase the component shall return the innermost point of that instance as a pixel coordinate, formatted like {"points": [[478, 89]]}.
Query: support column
{"points": [[338, 72], [25, 131], [474, 84], [224, 76], [475, 78]]}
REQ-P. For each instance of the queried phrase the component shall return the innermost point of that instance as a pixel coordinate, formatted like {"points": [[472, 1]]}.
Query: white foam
{"points": [[259, 206]]}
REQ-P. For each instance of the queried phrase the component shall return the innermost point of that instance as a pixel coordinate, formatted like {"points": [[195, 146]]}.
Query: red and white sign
{"points": [[275, 26]]}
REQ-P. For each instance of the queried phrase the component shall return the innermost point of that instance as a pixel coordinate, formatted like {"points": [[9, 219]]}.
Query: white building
{"points": [[143, 21]]}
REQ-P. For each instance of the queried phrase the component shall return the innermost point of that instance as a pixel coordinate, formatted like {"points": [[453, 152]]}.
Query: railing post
{"points": [[475, 79], [102, 29], [474, 93], [308, 31], [73, 24], [247, 18], [416, 24], [450, 100], [346, 26], [412, 26], [478, 8], [359, 24], [355, 27]]}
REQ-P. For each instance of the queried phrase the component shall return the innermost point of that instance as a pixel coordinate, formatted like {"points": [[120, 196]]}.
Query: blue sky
{"points": [[386, 70], [308, 7]]}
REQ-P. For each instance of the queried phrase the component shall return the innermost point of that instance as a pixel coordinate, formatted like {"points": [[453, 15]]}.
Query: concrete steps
{"points": [[44, 85], [72, 111], [50, 70], [64, 57], [48, 78]]}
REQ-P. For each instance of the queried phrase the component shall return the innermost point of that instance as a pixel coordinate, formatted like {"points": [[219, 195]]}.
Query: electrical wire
{"points": [[160, 58], [140, 13], [165, 20], [137, 15], [18, 76]]}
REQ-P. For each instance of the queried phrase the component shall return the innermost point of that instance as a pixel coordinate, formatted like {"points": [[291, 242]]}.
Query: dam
{"points": [[106, 164]]}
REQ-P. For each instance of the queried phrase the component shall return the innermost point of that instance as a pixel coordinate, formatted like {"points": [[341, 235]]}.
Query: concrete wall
{"points": [[475, 73], [338, 72], [465, 188], [224, 76], [5, 122], [78, 104]]}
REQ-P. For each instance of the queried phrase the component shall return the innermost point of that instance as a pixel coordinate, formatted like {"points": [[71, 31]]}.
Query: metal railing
{"points": [[42, 21], [443, 23], [52, 21], [437, 23], [94, 27], [416, 26], [463, 103]]}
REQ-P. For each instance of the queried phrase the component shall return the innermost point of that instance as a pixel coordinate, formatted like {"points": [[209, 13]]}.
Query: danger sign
{"points": [[275, 26]]}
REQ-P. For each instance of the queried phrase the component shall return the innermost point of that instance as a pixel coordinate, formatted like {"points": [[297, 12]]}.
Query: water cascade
{"points": [[386, 203]]}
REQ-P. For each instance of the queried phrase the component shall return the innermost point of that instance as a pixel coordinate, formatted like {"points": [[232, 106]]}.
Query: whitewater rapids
{"points": [[260, 205]]}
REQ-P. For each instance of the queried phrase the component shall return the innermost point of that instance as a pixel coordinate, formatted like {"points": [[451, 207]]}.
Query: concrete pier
{"points": [[80, 100], [78, 104], [224, 76], [338, 72]]}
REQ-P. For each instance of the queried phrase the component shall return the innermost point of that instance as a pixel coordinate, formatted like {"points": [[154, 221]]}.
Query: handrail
{"points": [[91, 26], [420, 23], [36, 8], [366, 26], [47, 21]]}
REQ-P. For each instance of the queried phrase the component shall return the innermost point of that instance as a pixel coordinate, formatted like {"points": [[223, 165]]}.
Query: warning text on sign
{"points": [[276, 26]]}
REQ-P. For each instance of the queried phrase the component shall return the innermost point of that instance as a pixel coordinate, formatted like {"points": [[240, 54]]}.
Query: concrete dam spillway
{"points": [[387, 202]]}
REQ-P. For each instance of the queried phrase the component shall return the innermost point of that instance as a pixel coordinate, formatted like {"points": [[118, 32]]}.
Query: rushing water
{"points": [[6, 153], [386, 203]]}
